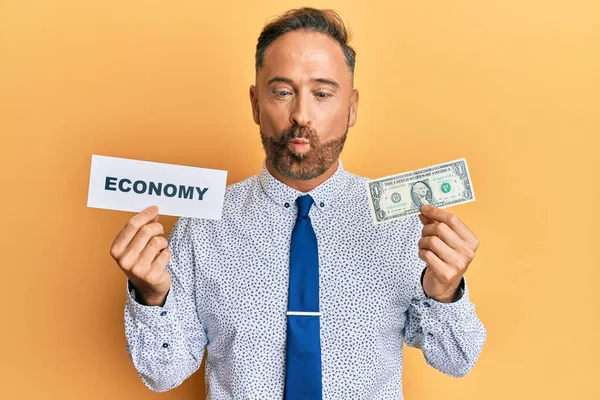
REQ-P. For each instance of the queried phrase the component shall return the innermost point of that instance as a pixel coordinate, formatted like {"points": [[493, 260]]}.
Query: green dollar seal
{"points": [[445, 187]]}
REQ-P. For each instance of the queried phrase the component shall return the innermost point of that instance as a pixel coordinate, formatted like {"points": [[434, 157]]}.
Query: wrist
{"points": [[450, 295], [451, 298], [147, 300]]}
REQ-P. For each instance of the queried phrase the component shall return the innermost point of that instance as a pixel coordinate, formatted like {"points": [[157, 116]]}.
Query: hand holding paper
{"points": [[131, 185], [143, 256]]}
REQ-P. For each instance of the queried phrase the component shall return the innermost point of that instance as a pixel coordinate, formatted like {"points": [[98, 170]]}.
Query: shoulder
{"points": [[355, 187], [236, 199], [237, 194], [242, 186]]}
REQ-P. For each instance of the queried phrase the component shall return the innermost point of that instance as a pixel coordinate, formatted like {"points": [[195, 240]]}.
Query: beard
{"points": [[302, 166]]}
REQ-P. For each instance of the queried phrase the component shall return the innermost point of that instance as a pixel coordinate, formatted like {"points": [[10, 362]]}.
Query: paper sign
{"points": [[132, 185]]}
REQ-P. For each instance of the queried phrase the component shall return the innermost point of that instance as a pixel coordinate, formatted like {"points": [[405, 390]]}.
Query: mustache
{"points": [[298, 132]]}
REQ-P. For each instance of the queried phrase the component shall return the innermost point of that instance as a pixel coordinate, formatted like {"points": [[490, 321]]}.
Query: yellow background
{"points": [[511, 85]]}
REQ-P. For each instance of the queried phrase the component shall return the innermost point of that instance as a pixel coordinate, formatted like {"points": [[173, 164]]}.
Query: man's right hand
{"points": [[143, 256]]}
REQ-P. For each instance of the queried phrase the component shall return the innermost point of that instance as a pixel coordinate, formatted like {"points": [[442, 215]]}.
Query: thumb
{"points": [[154, 210]]}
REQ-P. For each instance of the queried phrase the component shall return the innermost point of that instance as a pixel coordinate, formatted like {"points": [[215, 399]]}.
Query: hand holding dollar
{"points": [[447, 246]]}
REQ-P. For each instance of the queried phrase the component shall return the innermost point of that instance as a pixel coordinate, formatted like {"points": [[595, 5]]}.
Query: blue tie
{"points": [[303, 349]]}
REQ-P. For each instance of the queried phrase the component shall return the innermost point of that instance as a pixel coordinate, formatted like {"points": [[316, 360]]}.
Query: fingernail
{"points": [[426, 207]]}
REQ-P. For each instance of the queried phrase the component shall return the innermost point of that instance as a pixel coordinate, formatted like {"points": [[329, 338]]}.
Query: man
{"points": [[295, 293]]}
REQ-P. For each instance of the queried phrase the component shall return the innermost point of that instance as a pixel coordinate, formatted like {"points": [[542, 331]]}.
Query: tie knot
{"points": [[304, 203]]}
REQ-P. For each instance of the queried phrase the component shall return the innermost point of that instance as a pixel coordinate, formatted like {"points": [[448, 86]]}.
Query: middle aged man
{"points": [[295, 293]]}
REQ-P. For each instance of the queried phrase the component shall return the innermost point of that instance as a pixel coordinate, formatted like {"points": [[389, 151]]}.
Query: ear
{"points": [[254, 101], [353, 107]]}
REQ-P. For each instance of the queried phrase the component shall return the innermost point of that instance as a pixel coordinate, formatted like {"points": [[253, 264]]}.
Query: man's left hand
{"points": [[447, 246]]}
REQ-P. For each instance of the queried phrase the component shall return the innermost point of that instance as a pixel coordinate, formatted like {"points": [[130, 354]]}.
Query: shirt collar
{"points": [[324, 195]]}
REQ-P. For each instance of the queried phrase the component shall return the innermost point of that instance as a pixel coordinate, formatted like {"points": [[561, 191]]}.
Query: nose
{"points": [[301, 110]]}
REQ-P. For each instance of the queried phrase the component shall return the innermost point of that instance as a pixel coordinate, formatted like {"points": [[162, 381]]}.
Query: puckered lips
{"points": [[299, 145]]}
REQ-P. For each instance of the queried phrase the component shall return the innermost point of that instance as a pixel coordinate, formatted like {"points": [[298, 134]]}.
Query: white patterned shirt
{"points": [[229, 295]]}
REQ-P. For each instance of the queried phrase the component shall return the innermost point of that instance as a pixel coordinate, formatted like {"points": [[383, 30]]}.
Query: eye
{"points": [[282, 93], [322, 95]]}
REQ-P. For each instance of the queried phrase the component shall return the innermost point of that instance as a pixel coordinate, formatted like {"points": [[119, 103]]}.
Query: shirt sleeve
{"points": [[166, 344], [450, 335]]}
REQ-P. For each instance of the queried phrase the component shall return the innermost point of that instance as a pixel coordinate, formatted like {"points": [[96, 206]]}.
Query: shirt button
{"points": [[322, 204], [165, 345], [287, 205], [162, 314], [426, 304]]}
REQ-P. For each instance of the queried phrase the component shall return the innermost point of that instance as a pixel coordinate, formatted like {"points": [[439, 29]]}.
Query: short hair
{"points": [[309, 19]]}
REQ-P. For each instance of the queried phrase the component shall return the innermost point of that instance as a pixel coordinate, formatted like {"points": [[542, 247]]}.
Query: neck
{"points": [[303, 185]]}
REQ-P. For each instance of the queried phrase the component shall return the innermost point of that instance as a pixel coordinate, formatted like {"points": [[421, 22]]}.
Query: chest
{"points": [[242, 284]]}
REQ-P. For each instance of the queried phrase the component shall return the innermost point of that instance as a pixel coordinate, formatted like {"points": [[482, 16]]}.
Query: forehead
{"points": [[300, 55]]}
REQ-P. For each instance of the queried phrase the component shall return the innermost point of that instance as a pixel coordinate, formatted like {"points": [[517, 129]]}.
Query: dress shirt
{"points": [[229, 293]]}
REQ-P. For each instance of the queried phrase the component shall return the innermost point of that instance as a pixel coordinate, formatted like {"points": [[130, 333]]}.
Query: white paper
{"points": [[132, 185]]}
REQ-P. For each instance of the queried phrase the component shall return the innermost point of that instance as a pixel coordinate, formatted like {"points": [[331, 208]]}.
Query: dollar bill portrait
{"points": [[421, 194]]}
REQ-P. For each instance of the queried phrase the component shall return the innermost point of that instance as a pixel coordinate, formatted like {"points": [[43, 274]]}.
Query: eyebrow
{"points": [[288, 80]]}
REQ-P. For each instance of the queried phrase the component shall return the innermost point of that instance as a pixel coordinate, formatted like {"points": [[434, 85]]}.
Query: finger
{"points": [[132, 252], [126, 235], [158, 267], [444, 232], [425, 220], [431, 260], [162, 259], [152, 249], [143, 237], [440, 249], [449, 219]]}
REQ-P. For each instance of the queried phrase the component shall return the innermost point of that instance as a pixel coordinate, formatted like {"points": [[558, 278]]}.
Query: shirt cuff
{"points": [[151, 315], [439, 311]]}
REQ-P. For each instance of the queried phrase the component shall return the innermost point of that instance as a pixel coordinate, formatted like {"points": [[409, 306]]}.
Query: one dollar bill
{"points": [[399, 196]]}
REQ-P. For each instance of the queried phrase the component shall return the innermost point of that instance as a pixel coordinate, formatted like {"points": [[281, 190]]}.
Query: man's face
{"points": [[421, 189], [304, 103]]}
